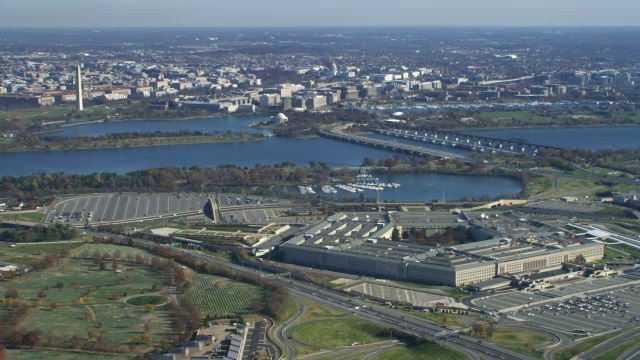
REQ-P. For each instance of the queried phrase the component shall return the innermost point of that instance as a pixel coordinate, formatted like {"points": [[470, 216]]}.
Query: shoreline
{"points": [[87, 122], [130, 146]]}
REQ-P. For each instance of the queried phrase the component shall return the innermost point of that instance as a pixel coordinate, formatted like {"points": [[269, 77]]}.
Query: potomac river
{"points": [[301, 151]]}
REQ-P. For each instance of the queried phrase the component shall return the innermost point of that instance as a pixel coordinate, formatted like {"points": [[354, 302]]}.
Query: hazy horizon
{"points": [[327, 13]]}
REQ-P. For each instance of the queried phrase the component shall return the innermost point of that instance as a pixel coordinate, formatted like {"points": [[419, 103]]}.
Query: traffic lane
{"points": [[415, 326]]}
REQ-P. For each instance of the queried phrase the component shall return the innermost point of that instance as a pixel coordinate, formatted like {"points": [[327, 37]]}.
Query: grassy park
{"points": [[82, 301], [424, 351], [341, 332]]}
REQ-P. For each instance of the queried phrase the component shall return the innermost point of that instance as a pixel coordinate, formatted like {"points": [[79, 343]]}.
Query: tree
{"points": [[580, 259], [54, 305], [395, 234], [135, 340], [149, 308], [42, 294], [31, 338], [146, 338], [11, 294], [114, 264]]}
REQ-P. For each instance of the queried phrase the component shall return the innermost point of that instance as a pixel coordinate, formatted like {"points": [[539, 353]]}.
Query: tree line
{"points": [[39, 142], [56, 232]]}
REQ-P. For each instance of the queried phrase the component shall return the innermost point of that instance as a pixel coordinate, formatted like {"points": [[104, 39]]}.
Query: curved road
{"points": [[282, 331]]}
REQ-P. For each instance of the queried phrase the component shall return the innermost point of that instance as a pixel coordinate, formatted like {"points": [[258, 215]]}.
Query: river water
{"points": [[415, 187]]}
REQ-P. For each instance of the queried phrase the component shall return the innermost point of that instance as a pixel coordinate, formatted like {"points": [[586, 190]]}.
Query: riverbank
{"points": [[139, 142]]}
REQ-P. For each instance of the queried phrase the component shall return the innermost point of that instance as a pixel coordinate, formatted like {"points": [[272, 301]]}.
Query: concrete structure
{"points": [[79, 105], [355, 244]]}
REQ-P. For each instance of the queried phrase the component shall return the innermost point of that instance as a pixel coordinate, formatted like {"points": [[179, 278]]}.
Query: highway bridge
{"points": [[338, 134], [469, 142]]}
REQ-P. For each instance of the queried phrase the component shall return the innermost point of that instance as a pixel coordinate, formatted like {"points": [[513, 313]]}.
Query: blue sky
{"points": [[214, 13]]}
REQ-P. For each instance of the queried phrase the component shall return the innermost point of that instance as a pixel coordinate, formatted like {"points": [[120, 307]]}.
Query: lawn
{"points": [[86, 300], [220, 297], [43, 248], [425, 351], [452, 320], [58, 355], [521, 341], [127, 253], [614, 353], [569, 186], [333, 333], [26, 216], [571, 351], [80, 278], [626, 248], [146, 300], [315, 311], [115, 324]]}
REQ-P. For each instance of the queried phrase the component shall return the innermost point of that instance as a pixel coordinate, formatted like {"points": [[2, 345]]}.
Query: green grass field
{"points": [[627, 249], [532, 118], [315, 311], [452, 320], [58, 355], [571, 351], [614, 353], [525, 342], [127, 253], [41, 249], [146, 300], [27, 216], [335, 333], [80, 278], [78, 288], [219, 296], [425, 351]]}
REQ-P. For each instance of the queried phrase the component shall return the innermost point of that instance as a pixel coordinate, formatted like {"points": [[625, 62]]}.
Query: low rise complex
{"points": [[360, 244]]}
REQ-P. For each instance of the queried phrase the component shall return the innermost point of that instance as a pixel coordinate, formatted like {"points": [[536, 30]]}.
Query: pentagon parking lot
{"points": [[591, 305], [115, 207]]}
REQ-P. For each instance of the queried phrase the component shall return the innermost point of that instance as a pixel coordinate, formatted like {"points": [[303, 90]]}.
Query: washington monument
{"points": [[79, 89]]}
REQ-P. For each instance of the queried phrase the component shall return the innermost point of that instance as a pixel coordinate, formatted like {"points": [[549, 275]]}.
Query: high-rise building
{"points": [[79, 89]]}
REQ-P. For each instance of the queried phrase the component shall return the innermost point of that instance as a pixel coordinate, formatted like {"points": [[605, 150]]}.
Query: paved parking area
{"points": [[596, 305], [595, 313], [118, 207], [249, 216], [511, 299]]}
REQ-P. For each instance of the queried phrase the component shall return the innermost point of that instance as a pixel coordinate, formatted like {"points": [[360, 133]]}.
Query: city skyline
{"points": [[225, 13]]}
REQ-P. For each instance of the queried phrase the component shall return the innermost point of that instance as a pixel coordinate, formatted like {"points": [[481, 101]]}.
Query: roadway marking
{"points": [[137, 205], [98, 208], [64, 208], [77, 201], [126, 208], [115, 209], [106, 206]]}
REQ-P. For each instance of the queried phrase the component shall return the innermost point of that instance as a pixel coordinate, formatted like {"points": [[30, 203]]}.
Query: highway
{"points": [[609, 344], [377, 314], [336, 133]]}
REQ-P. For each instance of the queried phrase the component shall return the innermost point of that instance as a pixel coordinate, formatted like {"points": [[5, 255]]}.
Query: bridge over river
{"points": [[469, 142], [337, 133]]}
